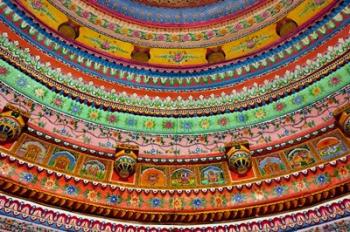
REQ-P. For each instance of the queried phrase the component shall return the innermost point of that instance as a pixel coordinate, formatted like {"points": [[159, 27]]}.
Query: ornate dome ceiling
{"points": [[197, 114]]}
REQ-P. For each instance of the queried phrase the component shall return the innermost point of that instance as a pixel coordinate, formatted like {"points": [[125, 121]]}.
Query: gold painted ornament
{"points": [[239, 158], [125, 163], [11, 125]]}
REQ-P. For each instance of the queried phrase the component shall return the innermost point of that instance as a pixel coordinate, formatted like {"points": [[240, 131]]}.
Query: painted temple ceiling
{"points": [[128, 115]]}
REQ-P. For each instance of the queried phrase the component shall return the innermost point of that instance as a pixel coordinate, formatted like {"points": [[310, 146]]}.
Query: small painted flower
{"points": [[279, 106], [27, 177], [199, 36], [136, 34], [94, 115], [251, 43], [178, 57], [279, 190], [134, 201], [259, 194], [316, 91], [149, 124], [321, 179], [58, 101], [223, 121], [86, 14], [241, 118], [4, 169], [186, 37], [92, 195], [205, 123], [105, 45], [343, 172], [197, 203], [50, 184], [298, 100], [111, 26], [301, 186], [177, 203], [265, 14], [71, 190], [131, 122], [3, 71], [37, 4], [39, 92], [334, 81], [187, 125], [239, 26], [114, 199], [75, 109], [168, 125], [156, 202], [220, 200], [112, 118], [161, 37], [260, 113], [22, 82], [210, 34], [238, 198]]}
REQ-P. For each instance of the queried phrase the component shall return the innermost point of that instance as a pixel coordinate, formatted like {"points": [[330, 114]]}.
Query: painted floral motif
{"points": [[298, 100], [28, 177], [279, 106], [205, 123], [218, 201], [75, 109], [321, 179], [5, 169], [238, 198], [92, 195], [242, 118], [3, 71], [58, 101], [177, 203], [258, 194], [49, 183], [114, 199], [280, 190], [106, 45], [197, 203], [94, 115], [178, 56], [300, 185], [223, 121], [39, 6], [260, 113], [342, 173], [156, 202], [22, 82], [71, 190], [168, 125], [40, 92], [131, 122], [334, 81], [149, 124], [112, 118], [313, 6], [316, 91], [187, 125], [134, 201]]}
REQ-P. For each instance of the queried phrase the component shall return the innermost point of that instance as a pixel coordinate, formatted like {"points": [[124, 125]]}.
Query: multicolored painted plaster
{"points": [[174, 88]]}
